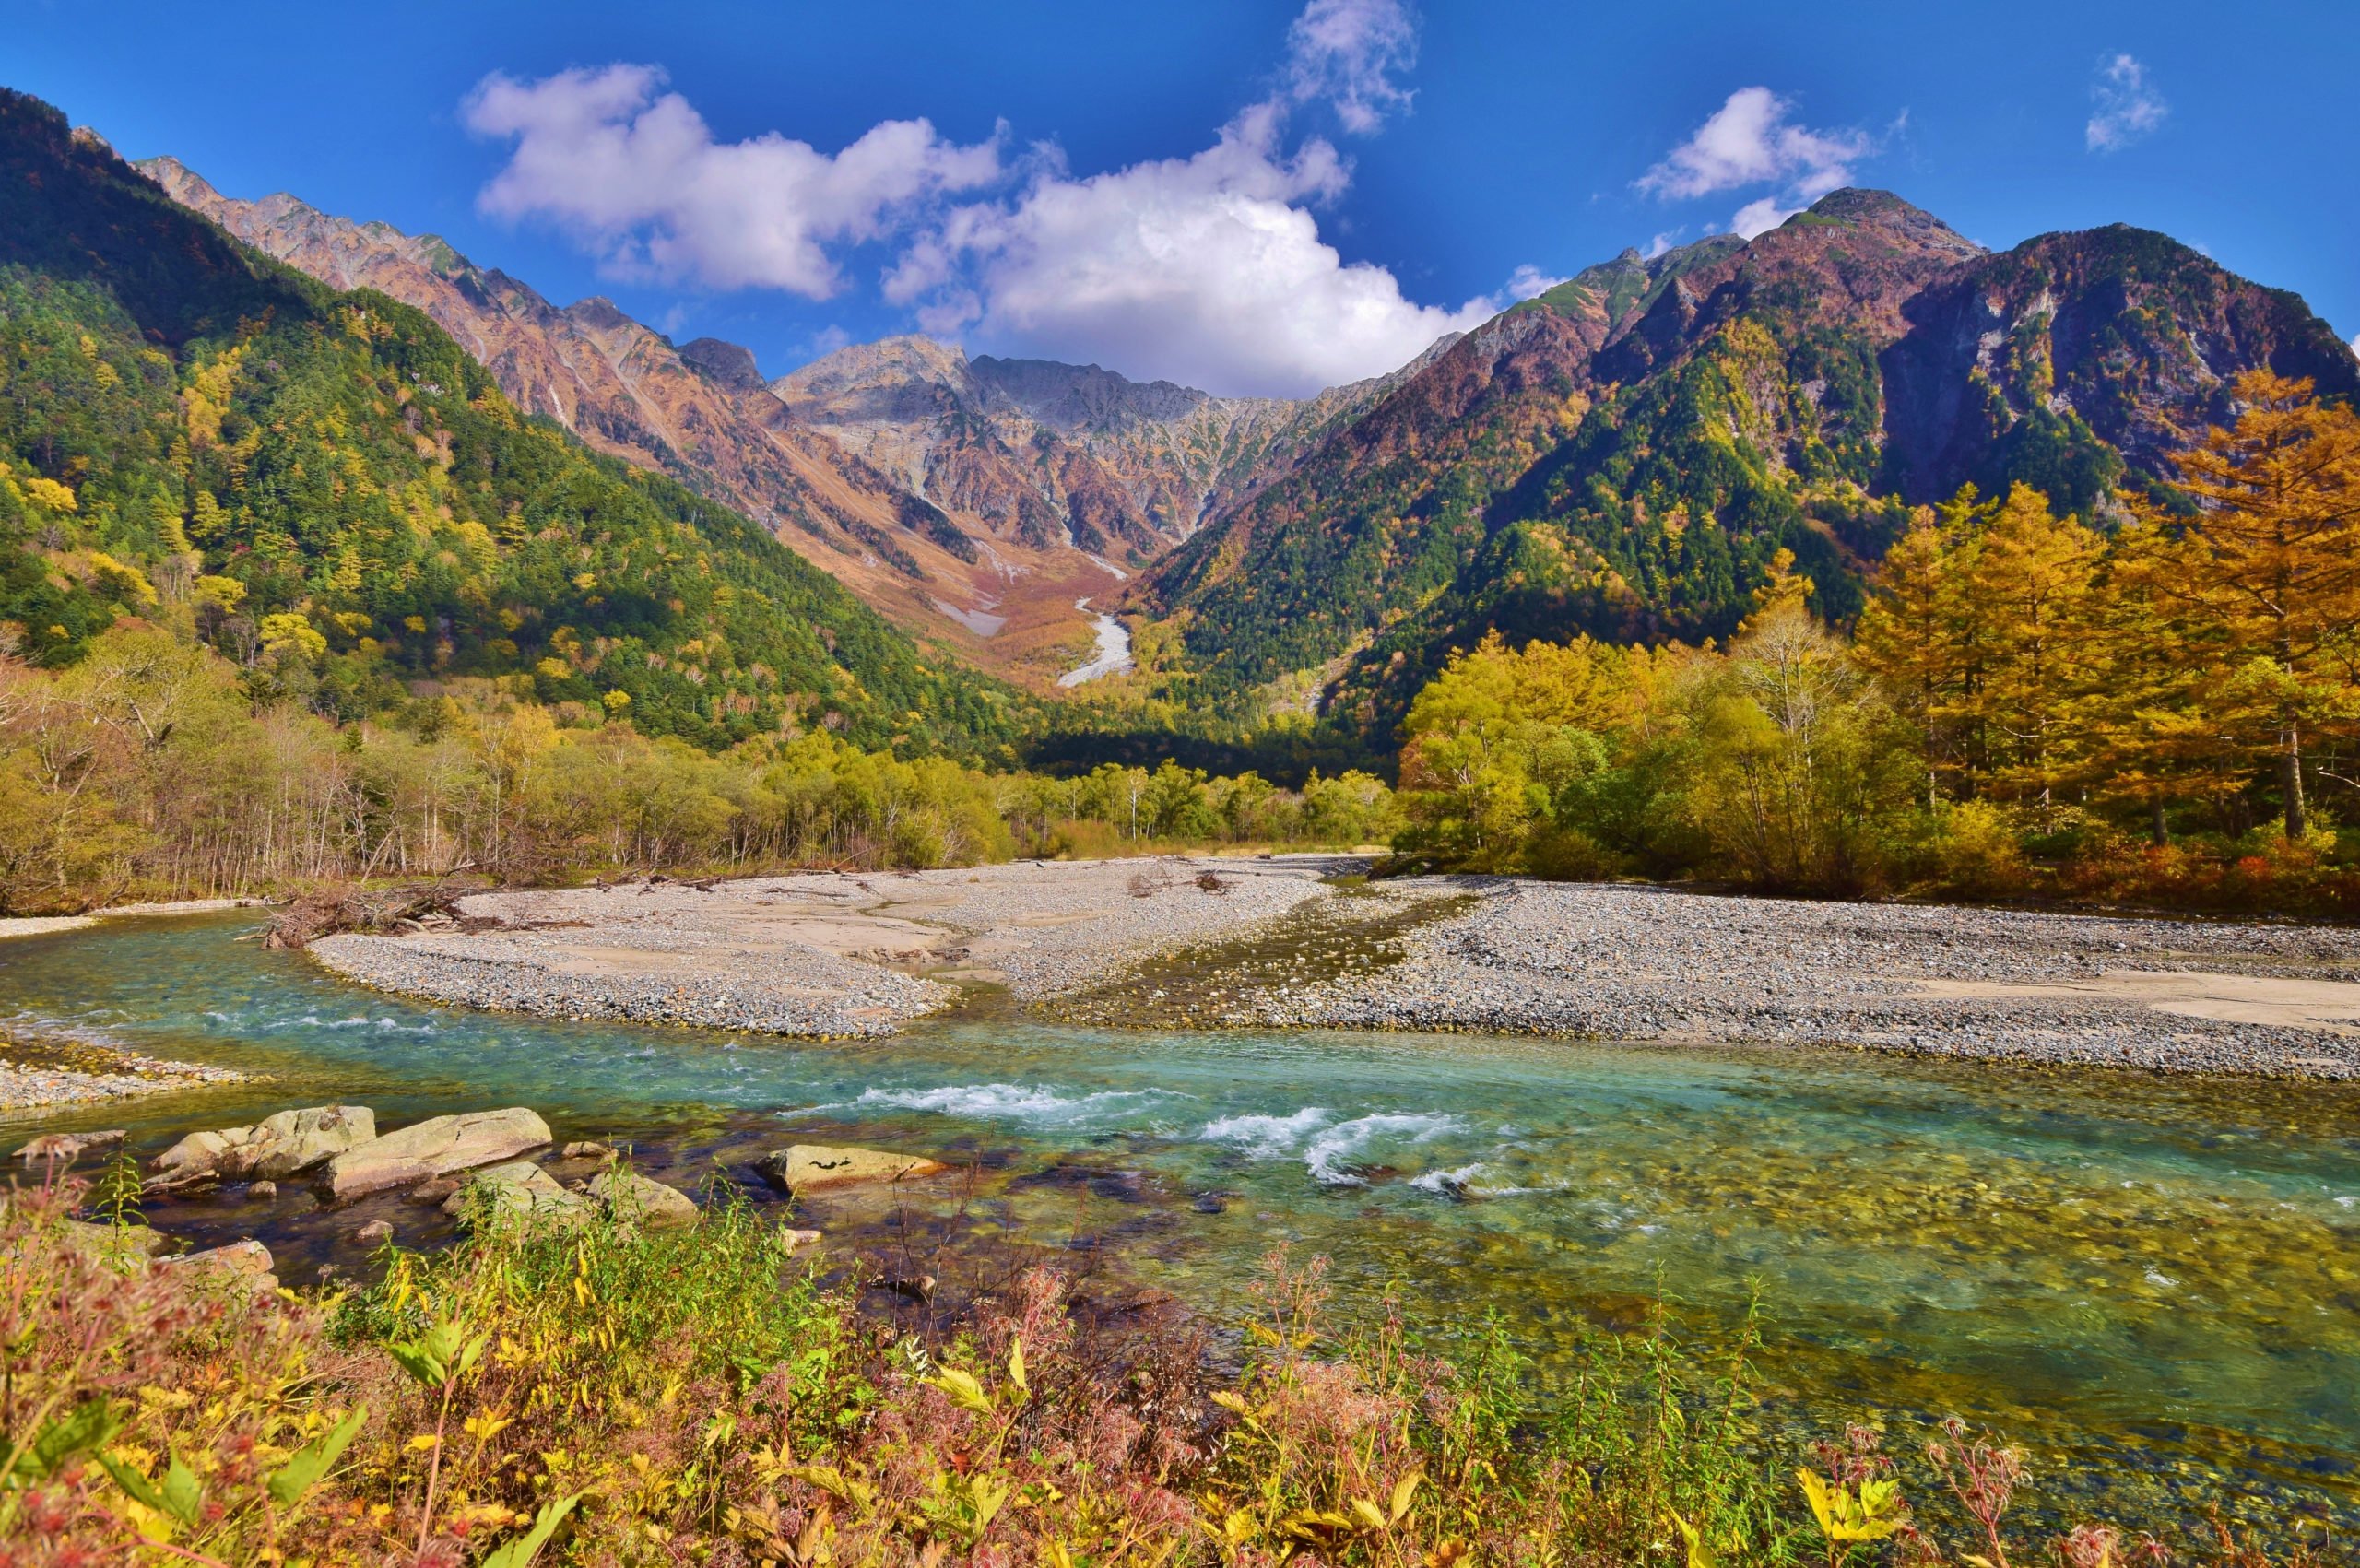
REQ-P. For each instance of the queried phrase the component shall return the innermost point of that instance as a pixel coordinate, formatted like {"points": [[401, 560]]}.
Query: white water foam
{"points": [[1324, 1155], [1445, 1183], [1264, 1138], [1324, 1148], [997, 1103]]}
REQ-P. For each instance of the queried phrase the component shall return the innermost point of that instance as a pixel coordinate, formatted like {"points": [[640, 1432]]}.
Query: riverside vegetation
{"points": [[2028, 706], [535, 1396]]}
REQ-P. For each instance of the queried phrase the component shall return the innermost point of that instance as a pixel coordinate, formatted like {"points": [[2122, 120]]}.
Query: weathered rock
{"points": [[247, 1263], [300, 1140], [435, 1148], [61, 1149], [807, 1166], [262, 1192], [280, 1145], [197, 1160], [518, 1193], [792, 1241], [603, 1153], [375, 1233], [635, 1199], [436, 1190], [135, 1241]]}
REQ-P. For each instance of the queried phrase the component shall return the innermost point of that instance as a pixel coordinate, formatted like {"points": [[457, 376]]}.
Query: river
{"points": [[2154, 1279], [1113, 655]]}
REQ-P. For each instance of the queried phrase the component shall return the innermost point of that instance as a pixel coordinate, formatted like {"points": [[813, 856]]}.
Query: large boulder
{"points": [[518, 1194], [297, 1141], [633, 1199], [435, 1148], [277, 1146], [807, 1166], [200, 1160]]}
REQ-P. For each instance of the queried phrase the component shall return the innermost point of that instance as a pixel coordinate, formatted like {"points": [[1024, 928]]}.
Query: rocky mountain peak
{"points": [[886, 363], [598, 314], [731, 364], [1085, 397], [1860, 208]]}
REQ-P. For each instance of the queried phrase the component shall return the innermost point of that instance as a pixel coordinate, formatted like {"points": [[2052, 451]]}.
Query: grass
{"points": [[606, 1396]]}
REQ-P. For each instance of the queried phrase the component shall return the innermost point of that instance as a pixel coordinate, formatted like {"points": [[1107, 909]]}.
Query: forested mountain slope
{"points": [[971, 502], [1624, 455], [329, 489]]}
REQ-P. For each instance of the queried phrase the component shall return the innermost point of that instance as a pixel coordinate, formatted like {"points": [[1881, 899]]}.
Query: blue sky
{"points": [[1249, 196]]}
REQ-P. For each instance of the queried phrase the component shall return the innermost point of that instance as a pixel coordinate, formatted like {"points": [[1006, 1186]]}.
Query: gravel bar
{"points": [[861, 955], [1652, 963], [826, 955]]}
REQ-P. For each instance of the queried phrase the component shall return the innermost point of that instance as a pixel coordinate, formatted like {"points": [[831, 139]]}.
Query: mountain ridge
{"points": [[1623, 454], [328, 488], [971, 501]]}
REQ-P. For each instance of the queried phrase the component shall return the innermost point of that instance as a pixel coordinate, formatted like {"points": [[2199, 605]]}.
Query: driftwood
{"points": [[432, 907], [694, 884]]}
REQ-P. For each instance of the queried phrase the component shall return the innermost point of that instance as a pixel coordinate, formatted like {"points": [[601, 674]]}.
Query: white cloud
{"points": [[2356, 347], [1752, 140], [2128, 107], [635, 175], [1208, 270], [1760, 217], [1347, 51], [1662, 243], [1528, 280]]}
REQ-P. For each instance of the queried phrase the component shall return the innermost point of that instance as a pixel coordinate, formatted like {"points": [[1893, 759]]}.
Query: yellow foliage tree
{"points": [[2277, 568]]}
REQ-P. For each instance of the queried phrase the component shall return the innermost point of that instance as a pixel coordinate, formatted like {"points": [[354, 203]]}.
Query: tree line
{"points": [[2157, 705], [154, 768]]}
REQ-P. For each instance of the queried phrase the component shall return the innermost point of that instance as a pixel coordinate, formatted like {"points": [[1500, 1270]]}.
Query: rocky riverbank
{"points": [[1287, 943], [1654, 963], [44, 1068]]}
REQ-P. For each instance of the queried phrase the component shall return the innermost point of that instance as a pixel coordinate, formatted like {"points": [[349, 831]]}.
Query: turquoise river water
{"points": [[2151, 1280]]}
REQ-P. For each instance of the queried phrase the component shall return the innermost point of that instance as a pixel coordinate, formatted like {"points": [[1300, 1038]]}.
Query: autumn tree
{"points": [[2277, 567], [1979, 631]]}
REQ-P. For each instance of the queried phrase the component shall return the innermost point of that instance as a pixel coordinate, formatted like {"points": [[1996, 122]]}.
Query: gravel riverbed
{"points": [[830, 955], [1206, 943], [1654, 963]]}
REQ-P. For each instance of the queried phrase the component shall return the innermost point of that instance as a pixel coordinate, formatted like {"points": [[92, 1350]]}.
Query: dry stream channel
{"points": [[2149, 1279]]}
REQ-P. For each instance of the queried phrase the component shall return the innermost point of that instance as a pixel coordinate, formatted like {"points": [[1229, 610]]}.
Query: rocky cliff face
{"points": [[1043, 452], [1623, 454]]}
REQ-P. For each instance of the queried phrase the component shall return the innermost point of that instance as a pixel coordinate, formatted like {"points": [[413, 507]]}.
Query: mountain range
{"points": [[972, 501], [1622, 454]]}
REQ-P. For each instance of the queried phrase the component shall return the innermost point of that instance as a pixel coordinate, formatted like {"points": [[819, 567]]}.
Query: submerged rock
{"points": [[61, 1149], [633, 1199], [437, 1147], [603, 1153], [282, 1145], [806, 1166], [375, 1233]]}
